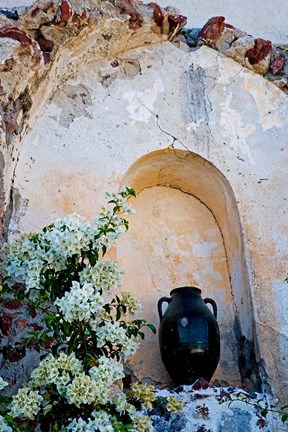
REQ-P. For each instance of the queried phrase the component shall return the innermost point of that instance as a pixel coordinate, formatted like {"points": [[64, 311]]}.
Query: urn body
{"points": [[188, 335]]}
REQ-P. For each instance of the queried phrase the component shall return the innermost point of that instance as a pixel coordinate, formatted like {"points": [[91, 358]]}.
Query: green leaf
{"points": [[264, 412], [129, 191], [151, 327], [66, 327], [284, 417], [118, 313]]}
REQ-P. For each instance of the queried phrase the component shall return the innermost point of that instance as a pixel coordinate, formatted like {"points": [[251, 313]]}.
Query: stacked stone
{"points": [[256, 54]]}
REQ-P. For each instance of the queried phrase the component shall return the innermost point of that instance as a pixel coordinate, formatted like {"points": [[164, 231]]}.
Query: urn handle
{"points": [[213, 304], [160, 302]]}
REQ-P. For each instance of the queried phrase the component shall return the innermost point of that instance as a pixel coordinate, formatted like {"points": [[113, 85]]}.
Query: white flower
{"points": [[114, 333], [3, 425], [143, 424], [111, 332], [26, 403], [131, 302], [79, 425], [108, 370], [81, 303], [83, 390], [3, 383], [102, 421], [66, 237], [105, 276], [120, 402], [58, 371], [129, 347]]}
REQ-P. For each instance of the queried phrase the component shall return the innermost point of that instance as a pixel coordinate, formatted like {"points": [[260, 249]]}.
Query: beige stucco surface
{"points": [[93, 130]]}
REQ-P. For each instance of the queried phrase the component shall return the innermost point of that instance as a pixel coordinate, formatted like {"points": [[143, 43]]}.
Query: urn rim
{"points": [[186, 288]]}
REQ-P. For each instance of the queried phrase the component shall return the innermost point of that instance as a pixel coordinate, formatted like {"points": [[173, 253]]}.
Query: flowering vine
{"points": [[89, 328]]}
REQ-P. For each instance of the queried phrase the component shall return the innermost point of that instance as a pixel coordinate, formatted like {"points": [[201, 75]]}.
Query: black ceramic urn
{"points": [[188, 335]]}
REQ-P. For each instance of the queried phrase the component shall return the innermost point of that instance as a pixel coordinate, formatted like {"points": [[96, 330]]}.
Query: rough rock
{"points": [[6, 324], [239, 421], [239, 48], [13, 304], [256, 54], [258, 58], [215, 413], [277, 65], [211, 31]]}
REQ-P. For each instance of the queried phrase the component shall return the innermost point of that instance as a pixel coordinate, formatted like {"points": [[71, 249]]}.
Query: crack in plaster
{"points": [[157, 121]]}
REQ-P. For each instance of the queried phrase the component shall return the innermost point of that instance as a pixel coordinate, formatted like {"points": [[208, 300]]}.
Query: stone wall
{"points": [[114, 102], [263, 19]]}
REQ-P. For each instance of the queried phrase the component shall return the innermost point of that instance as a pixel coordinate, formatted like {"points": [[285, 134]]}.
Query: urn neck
{"points": [[186, 290]]}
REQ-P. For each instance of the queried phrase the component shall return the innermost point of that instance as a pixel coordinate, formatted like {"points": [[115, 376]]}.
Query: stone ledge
{"points": [[257, 54], [210, 409]]}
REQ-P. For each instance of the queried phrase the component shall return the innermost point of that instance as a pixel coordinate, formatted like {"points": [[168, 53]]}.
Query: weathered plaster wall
{"points": [[193, 101], [45, 47]]}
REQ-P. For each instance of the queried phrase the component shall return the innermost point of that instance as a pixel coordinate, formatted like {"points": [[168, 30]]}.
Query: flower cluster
{"points": [[132, 304], [104, 275], [81, 303], [114, 333], [58, 371], [99, 421], [107, 370], [26, 403], [65, 238], [174, 404], [143, 394]]}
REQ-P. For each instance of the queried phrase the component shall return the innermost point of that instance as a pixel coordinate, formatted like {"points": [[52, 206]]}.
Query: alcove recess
{"points": [[187, 231]]}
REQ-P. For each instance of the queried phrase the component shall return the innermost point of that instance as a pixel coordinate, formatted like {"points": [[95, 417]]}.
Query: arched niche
{"points": [[182, 195]]}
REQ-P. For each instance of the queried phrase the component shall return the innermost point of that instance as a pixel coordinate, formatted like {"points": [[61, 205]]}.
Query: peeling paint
{"points": [[140, 103], [74, 102], [234, 128]]}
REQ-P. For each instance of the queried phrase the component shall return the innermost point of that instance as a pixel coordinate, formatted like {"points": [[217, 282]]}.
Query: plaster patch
{"points": [[268, 100], [204, 249], [233, 127], [122, 68], [140, 103], [73, 100], [280, 288], [20, 206], [229, 71], [203, 58]]}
